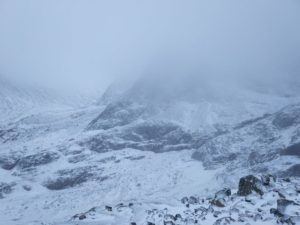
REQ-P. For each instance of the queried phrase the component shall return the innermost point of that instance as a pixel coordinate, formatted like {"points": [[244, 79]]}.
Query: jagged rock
{"points": [[82, 217], [249, 184], [108, 208], [37, 159]]}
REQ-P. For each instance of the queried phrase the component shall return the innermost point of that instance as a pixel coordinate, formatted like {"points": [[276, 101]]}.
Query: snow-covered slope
{"points": [[147, 146]]}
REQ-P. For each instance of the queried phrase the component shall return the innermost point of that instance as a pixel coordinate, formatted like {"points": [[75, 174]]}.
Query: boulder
{"points": [[218, 202], [249, 184]]}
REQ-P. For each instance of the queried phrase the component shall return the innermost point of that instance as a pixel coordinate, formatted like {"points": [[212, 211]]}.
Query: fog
{"points": [[89, 44]]}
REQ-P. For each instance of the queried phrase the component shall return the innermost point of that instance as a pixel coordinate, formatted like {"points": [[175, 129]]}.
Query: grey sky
{"points": [[89, 43]]}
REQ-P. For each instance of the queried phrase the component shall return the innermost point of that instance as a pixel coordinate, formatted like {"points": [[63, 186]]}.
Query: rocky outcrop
{"points": [[256, 143], [156, 136], [270, 208], [38, 159], [68, 178], [119, 113], [250, 184]]}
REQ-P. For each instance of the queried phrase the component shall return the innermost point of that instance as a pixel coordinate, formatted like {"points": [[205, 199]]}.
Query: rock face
{"points": [[250, 184], [37, 159], [156, 136], [71, 177], [256, 144]]}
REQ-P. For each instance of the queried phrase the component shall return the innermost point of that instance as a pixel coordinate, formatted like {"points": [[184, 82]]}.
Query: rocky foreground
{"points": [[258, 200]]}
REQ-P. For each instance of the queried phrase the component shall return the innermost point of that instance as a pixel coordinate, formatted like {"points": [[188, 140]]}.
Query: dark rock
{"points": [[218, 202], [133, 223], [82, 217], [149, 223], [37, 159], [249, 184], [178, 217], [108, 208]]}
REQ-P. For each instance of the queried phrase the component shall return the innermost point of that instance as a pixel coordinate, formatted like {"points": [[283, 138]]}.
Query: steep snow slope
{"points": [[18, 99]]}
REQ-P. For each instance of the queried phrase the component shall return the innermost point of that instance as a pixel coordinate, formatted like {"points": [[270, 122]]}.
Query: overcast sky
{"points": [[89, 43]]}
